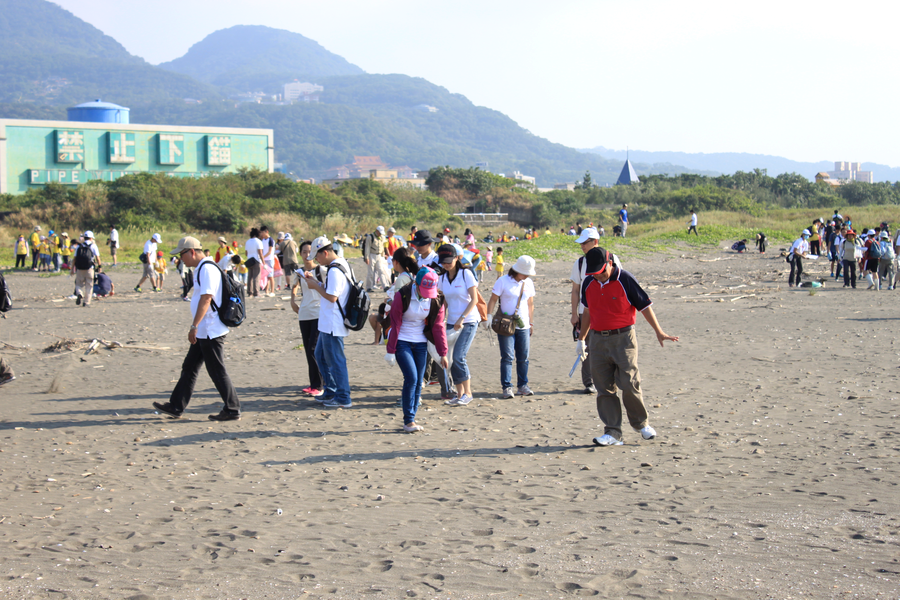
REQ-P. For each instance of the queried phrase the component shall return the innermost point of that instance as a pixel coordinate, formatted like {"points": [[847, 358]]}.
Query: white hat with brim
{"points": [[88, 235], [525, 266], [156, 238], [319, 243], [186, 243], [587, 234]]}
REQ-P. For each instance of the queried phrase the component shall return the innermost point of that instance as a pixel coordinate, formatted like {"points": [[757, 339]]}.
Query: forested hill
{"points": [[50, 56], [50, 59], [247, 56]]}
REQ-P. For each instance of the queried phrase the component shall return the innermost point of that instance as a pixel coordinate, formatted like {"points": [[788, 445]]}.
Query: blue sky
{"points": [[808, 81]]}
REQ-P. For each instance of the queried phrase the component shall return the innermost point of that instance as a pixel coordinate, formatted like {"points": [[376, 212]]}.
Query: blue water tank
{"points": [[98, 112]]}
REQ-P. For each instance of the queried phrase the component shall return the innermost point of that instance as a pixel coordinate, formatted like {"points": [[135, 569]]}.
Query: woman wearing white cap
{"points": [[515, 292]]}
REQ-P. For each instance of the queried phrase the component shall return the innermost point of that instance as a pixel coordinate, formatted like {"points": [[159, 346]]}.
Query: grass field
{"points": [[780, 226]]}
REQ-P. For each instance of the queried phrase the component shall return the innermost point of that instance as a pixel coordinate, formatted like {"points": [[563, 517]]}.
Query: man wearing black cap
{"points": [[611, 297]]}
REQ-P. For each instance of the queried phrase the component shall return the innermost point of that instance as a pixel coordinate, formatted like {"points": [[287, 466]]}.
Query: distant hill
{"points": [[50, 56], [730, 162], [243, 56]]}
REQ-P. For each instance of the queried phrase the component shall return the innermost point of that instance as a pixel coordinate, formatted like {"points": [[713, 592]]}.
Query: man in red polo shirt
{"points": [[611, 298]]}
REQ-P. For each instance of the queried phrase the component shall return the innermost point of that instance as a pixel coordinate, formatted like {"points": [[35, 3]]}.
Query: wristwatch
{"points": [[193, 327]]}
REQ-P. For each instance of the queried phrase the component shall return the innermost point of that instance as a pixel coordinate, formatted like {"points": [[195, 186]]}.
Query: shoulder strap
{"points": [[405, 296]]}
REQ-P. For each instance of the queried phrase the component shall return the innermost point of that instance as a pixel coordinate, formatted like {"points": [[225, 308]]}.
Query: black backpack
{"points": [[356, 311], [5, 296], [84, 257], [233, 310]]}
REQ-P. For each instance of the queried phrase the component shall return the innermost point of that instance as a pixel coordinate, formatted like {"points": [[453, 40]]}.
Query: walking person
{"points": [[886, 262], [332, 331], [417, 317], [515, 293], [424, 245], [623, 219], [692, 225], [308, 318], [113, 243], [21, 247], [150, 249], [268, 260], [459, 287], [254, 262], [799, 250], [289, 260], [374, 252], [405, 268], [206, 336], [86, 256], [848, 258], [611, 298], [589, 238]]}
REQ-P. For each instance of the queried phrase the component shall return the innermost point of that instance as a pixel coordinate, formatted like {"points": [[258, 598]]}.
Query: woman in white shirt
{"points": [[515, 292], [404, 264], [408, 340], [254, 248], [308, 316], [460, 289]]}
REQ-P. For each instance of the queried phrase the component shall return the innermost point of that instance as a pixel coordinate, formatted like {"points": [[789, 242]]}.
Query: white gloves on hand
{"points": [[581, 350], [390, 359]]}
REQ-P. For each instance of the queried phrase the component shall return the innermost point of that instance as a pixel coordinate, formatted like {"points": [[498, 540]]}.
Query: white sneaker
{"points": [[508, 393], [525, 391], [648, 433], [412, 428], [463, 400], [607, 440]]}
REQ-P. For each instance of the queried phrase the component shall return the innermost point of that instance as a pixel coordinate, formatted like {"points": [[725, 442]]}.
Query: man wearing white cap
{"points": [[374, 254], [589, 238], [799, 250], [86, 255], [150, 257], [206, 335]]}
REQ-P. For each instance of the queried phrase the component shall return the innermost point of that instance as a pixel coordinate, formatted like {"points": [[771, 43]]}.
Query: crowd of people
{"points": [[870, 252]]}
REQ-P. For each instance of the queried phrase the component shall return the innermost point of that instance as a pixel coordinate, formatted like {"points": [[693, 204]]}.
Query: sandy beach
{"points": [[774, 474]]}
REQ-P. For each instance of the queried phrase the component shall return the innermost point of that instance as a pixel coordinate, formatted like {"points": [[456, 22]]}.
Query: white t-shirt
{"points": [[208, 280], [252, 245], [402, 279], [694, 220], [150, 250], [430, 261], [225, 262], [114, 238], [801, 245], [311, 303], [336, 284], [268, 246], [508, 289], [413, 327], [457, 294]]}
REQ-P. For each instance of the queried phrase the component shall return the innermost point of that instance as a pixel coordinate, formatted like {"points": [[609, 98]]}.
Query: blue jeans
{"points": [[459, 370], [333, 367], [411, 358], [517, 346]]}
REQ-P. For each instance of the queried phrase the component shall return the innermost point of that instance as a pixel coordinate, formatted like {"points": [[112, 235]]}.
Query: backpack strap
{"points": [[199, 269]]}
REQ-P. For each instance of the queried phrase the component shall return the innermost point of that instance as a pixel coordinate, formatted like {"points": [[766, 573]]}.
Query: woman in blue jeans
{"points": [[415, 309], [515, 292], [460, 289]]}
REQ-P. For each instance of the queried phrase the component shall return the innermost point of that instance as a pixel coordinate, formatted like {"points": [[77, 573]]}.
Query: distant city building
{"points": [[850, 171], [823, 176], [372, 167], [567, 187], [526, 178], [426, 108], [302, 92], [628, 174]]}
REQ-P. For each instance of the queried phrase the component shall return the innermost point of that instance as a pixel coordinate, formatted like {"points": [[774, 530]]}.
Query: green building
{"points": [[34, 153]]}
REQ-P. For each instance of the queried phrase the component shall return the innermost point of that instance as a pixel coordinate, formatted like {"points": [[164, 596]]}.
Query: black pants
{"points": [[434, 372], [309, 331], [35, 257], [796, 267], [850, 273], [187, 282], [814, 247], [20, 260], [212, 353], [694, 229]]}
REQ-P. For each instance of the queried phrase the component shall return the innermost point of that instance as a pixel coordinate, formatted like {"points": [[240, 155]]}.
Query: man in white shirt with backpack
{"points": [[332, 331], [206, 335], [86, 256]]}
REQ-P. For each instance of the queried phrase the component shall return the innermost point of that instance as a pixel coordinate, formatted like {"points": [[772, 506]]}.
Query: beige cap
{"points": [[222, 239], [186, 243]]}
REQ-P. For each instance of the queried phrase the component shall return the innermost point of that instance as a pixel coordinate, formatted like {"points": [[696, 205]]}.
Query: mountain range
{"points": [[730, 162], [50, 59]]}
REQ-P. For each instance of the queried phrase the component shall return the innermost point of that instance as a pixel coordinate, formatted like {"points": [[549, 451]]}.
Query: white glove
{"points": [[390, 359], [581, 350]]}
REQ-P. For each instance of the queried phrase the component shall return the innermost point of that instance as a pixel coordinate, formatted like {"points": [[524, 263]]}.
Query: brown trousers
{"points": [[614, 363]]}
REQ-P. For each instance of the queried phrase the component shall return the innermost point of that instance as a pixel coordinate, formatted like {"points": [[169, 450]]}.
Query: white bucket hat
{"points": [[525, 266], [156, 238]]}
